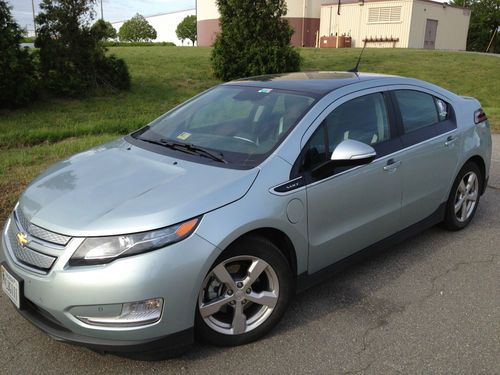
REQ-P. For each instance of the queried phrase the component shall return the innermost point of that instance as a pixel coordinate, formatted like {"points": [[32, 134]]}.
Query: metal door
{"points": [[349, 212], [430, 34]]}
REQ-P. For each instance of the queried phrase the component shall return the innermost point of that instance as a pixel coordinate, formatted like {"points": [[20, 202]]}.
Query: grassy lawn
{"points": [[50, 130]]}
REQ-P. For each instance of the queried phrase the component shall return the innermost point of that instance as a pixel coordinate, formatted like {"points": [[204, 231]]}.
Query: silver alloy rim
{"points": [[466, 196], [238, 295]]}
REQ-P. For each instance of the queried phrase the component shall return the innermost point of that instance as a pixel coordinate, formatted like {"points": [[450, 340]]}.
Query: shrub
{"points": [[139, 44], [254, 40], [18, 75], [112, 73], [73, 60], [137, 29], [103, 30]]}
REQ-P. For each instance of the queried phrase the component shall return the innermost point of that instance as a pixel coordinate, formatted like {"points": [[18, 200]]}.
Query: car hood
{"points": [[118, 188]]}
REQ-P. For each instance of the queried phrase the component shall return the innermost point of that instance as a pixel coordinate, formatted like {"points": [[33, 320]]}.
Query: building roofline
{"points": [[159, 14], [336, 2]]}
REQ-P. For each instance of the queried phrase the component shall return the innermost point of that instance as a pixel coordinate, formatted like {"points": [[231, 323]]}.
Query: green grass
{"points": [[51, 129]]}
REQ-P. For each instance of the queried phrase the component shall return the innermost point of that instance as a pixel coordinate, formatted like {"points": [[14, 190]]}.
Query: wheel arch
{"points": [[279, 239], [479, 161]]}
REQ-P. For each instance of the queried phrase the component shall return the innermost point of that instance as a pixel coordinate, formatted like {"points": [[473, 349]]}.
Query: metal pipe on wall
{"points": [[303, 20]]}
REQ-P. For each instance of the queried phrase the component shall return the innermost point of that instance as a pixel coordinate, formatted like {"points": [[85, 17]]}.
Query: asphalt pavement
{"points": [[428, 305]]}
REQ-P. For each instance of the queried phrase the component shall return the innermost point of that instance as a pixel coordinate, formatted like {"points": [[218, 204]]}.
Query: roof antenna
{"points": [[355, 69]]}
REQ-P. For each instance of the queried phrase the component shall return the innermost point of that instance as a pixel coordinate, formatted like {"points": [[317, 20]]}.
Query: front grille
{"points": [[26, 255], [41, 251], [38, 232]]}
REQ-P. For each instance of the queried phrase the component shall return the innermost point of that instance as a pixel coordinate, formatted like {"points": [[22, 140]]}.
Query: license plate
{"points": [[10, 286]]}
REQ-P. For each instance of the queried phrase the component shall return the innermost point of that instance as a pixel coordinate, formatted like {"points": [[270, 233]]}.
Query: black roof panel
{"points": [[312, 82]]}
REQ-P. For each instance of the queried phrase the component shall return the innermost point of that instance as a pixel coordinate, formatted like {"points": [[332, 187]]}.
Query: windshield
{"points": [[243, 124]]}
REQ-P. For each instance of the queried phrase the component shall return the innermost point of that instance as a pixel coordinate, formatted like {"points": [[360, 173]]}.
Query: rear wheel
{"points": [[245, 294], [464, 197]]}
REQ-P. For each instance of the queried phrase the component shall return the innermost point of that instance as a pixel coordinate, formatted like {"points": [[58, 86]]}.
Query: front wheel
{"points": [[245, 294], [464, 197]]}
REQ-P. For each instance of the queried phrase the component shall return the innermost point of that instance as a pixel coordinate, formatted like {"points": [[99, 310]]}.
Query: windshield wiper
{"points": [[187, 148]]}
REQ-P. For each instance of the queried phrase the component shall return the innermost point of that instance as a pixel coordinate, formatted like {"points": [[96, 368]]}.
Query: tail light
{"points": [[480, 116]]}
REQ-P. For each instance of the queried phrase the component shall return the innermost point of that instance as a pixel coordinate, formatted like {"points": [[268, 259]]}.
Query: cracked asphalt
{"points": [[428, 305]]}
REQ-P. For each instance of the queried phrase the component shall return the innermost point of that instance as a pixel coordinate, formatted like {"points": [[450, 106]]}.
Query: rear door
{"points": [[430, 155]]}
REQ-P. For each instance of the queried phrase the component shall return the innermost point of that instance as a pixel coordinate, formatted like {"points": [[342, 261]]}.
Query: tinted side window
{"points": [[443, 110], [316, 152], [418, 109], [362, 119]]}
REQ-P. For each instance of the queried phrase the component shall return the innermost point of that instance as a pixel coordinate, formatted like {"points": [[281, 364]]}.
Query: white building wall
{"points": [[305, 8], [207, 9], [354, 21], [165, 25], [453, 25]]}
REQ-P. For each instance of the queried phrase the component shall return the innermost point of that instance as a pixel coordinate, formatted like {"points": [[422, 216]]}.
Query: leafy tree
{"points": [[18, 76], [137, 29], [73, 61], [103, 30], [485, 19], [254, 39], [186, 29]]}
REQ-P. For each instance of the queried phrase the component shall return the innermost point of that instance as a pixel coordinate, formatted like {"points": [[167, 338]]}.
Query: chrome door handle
{"points": [[449, 141], [392, 165]]}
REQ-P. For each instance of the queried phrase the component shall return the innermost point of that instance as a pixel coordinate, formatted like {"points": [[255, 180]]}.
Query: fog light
{"points": [[133, 314]]}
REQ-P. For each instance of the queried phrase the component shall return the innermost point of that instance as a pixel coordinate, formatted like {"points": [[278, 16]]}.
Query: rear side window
{"points": [[443, 109], [418, 109]]}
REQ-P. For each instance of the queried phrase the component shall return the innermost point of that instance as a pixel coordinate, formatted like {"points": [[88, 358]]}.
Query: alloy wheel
{"points": [[466, 196], [238, 295]]}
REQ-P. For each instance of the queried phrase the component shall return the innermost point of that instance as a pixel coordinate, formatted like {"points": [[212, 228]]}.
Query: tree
{"points": [[137, 29], [103, 30], [254, 39], [186, 29], [18, 76], [73, 62], [485, 19]]}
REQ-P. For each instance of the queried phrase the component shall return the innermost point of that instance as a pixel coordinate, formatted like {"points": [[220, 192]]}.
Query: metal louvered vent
{"points": [[384, 14]]}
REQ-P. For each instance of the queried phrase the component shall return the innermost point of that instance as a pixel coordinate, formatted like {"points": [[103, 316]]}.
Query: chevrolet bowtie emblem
{"points": [[22, 239]]}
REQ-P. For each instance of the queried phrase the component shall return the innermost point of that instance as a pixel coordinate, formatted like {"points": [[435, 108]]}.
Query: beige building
{"points": [[384, 23], [303, 16], [397, 23]]}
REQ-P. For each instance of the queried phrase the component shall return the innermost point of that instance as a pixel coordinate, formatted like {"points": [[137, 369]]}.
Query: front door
{"points": [[351, 208], [430, 34]]}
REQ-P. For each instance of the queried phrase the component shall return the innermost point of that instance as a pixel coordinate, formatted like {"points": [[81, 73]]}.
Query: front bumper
{"points": [[174, 273], [169, 343]]}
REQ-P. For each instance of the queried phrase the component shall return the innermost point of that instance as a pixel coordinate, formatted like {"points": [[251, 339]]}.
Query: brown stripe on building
{"points": [[208, 29], [310, 27]]}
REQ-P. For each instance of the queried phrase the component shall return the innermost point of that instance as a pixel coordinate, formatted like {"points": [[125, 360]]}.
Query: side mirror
{"points": [[347, 153], [351, 152]]}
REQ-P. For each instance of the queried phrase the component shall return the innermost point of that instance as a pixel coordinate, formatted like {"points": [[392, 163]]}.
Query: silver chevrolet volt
{"points": [[204, 223]]}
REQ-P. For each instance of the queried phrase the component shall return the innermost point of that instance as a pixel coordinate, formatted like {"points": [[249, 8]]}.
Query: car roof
{"points": [[317, 82]]}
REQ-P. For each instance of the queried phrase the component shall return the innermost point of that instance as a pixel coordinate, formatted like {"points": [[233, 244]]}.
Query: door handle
{"points": [[392, 165], [449, 141]]}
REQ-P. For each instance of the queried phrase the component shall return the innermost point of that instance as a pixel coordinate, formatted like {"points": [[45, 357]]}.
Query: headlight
{"points": [[99, 250]]}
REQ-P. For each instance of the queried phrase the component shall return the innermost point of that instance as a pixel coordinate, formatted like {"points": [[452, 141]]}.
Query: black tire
{"points": [[265, 250], [451, 222]]}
